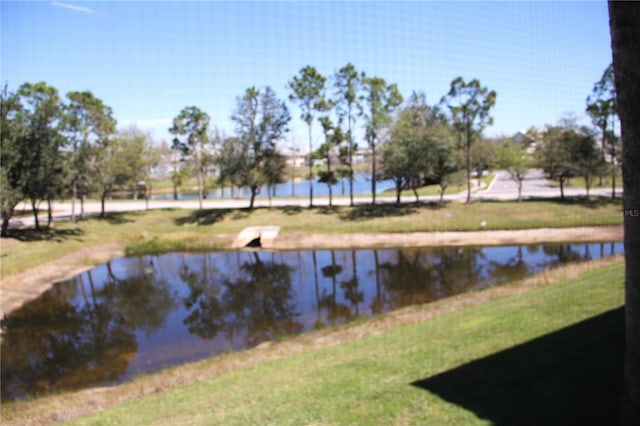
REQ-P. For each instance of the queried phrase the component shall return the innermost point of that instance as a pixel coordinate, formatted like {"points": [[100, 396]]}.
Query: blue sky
{"points": [[149, 59]]}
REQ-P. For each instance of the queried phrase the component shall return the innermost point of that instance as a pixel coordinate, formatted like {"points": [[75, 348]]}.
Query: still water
{"points": [[139, 314], [361, 185]]}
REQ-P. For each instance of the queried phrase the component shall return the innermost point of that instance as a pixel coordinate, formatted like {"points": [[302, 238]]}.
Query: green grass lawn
{"points": [[459, 185], [212, 229], [578, 182], [551, 355]]}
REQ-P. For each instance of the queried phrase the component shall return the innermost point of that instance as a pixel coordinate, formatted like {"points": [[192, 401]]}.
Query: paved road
{"points": [[534, 183], [501, 188], [534, 186]]}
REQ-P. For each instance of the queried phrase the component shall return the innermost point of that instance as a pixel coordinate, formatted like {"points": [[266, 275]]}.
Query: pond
{"points": [[300, 188], [140, 314]]}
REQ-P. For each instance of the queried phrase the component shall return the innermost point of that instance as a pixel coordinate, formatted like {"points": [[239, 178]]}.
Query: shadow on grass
{"points": [[203, 217], [591, 202], [119, 218], [291, 210], [45, 234], [368, 211], [211, 216], [573, 376]]}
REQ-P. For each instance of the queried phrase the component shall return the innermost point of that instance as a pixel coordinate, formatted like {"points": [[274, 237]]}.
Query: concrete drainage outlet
{"points": [[256, 236]]}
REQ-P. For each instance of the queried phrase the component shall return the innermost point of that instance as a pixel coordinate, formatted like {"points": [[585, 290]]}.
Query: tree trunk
{"points": [[442, 189], [5, 227], [34, 209], [103, 197], [82, 213], [50, 213], [520, 190], [468, 164], [330, 180], [199, 182], [254, 191], [614, 156], [350, 160], [604, 138], [293, 177], [350, 180], [74, 195], [562, 187], [625, 41], [6, 216], [310, 170], [398, 190], [373, 171]]}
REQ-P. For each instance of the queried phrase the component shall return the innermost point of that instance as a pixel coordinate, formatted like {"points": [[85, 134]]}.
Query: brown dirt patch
{"points": [[24, 286], [433, 239]]}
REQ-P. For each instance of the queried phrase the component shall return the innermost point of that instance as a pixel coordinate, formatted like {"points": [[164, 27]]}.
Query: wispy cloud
{"points": [[73, 7]]}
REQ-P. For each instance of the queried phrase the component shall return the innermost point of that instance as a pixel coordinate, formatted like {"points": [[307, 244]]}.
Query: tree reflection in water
{"points": [[256, 303], [78, 335], [205, 311], [417, 276], [139, 314], [506, 270], [351, 288], [336, 313], [259, 305]]}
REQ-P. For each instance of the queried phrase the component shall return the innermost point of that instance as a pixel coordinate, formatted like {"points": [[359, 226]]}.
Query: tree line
{"points": [[56, 148], [419, 143], [403, 135], [53, 149]]}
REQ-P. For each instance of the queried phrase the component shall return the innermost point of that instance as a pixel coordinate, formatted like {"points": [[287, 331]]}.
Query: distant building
{"points": [[296, 161], [525, 141], [362, 155], [169, 162]]}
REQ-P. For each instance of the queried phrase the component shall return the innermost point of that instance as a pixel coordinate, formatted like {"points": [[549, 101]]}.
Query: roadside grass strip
{"points": [[158, 231]]}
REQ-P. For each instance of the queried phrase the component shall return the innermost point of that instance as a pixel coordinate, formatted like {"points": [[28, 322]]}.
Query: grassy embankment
{"points": [[517, 354], [177, 229]]}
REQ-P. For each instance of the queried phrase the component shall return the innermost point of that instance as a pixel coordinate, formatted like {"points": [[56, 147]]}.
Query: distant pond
{"points": [[139, 314], [300, 188]]}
